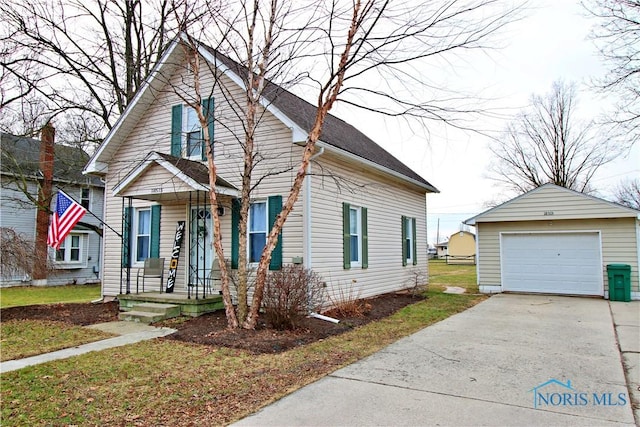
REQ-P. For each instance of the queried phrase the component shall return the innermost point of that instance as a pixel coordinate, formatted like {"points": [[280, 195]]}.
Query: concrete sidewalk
{"points": [[129, 333], [491, 365], [626, 318]]}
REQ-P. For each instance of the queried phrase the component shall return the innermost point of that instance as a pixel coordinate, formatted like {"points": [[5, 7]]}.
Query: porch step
{"points": [[149, 312]]}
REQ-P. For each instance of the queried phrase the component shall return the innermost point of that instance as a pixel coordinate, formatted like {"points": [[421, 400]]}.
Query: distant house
{"points": [[462, 248], [78, 259], [442, 250], [555, 240], [369, 237]]}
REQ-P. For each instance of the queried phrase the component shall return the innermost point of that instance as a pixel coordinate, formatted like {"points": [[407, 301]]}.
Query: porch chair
{"points": [[153, 269]]}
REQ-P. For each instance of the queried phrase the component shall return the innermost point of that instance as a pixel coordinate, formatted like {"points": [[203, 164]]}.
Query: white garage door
{"points": [[558, 263]]}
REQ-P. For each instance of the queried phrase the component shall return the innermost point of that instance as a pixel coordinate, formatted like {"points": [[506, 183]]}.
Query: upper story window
{"points": [[85, 198], [192, 131]]}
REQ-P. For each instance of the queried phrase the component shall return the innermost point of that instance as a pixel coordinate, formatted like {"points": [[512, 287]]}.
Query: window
{"points": [[85, 197], [355, 239], [257, 230], [409, 242], [70, 251], [354, 236], [193, 134], [142, 234]]}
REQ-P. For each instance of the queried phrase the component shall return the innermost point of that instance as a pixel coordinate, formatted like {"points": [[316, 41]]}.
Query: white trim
{"points": [[307, 259], [477, 242], [473, 220], [92, 164], [638, 256], [373, 165], [83, 254], [134, 235], [490, 289], [297, 133], [266, 227], [408, 235], [358, 210], [155, 157], [601, 262]]}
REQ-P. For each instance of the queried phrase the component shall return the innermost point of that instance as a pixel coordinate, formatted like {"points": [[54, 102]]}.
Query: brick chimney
{"points": [[47, 141]]}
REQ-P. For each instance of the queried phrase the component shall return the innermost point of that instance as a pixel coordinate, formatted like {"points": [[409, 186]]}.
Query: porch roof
{"points": [[162, 177]]}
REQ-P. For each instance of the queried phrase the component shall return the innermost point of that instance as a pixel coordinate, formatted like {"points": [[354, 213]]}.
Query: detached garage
{"points": [[556, 241]]}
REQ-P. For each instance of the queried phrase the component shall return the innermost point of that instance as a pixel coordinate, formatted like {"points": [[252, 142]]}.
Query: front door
{"points": [[200, 246]]}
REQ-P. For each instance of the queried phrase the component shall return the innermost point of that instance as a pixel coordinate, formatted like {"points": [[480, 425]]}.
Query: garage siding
{"points": [[619, 244]]}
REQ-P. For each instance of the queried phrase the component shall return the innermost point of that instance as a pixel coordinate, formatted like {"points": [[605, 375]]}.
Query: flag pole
{"points": [[94, 215]]}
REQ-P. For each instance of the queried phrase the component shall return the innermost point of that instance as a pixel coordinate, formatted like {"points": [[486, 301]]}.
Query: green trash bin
{"points": [[619, 282]]}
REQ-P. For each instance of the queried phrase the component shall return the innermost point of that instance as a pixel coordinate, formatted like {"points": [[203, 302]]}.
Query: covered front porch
{"points": [[167, 245]]}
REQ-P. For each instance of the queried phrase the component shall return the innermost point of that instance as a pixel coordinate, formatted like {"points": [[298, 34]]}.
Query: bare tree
{"points": [[79, 61], [349, 51], [628, 193], [618, 40], [546, 143]]}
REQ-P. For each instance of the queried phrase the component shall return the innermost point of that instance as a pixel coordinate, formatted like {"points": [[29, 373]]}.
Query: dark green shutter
{"points": [[235, 235], [404, 240], [415, 242], [207, 105], [365, 238], [346, 236], [275, 206], [176, 130], [127, 214], [155, 232]]}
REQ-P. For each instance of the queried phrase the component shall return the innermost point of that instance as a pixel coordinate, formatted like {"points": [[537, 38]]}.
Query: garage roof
{"points": [[552, 202]]}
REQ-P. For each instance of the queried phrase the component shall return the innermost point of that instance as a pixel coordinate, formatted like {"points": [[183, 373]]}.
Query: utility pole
{"points": [[438, 232], [47, 140]]}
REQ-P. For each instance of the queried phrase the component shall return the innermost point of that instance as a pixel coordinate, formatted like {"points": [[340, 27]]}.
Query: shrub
{"points": [[346, 302], [416, 281], [290, 294]]}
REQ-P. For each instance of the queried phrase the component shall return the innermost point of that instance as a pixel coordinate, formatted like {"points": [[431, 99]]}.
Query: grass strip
{"points": [[24, 338], [19, 296]]}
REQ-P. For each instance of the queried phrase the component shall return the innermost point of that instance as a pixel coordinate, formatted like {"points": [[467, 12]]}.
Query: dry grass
{"points": [[24, 338]]}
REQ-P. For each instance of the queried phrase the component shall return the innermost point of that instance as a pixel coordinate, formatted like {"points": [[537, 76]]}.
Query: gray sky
{"points": [[549, 44]]}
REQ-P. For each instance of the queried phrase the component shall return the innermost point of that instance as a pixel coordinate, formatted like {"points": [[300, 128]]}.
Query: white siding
{"points": [[619, 244], [153, 133], [387, 200]]}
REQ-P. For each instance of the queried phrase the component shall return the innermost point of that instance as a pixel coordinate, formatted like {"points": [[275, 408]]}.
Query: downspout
{"points": [[308, 259]]}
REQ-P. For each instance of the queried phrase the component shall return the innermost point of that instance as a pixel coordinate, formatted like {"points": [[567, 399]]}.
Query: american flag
{"points": [[65, 217]]}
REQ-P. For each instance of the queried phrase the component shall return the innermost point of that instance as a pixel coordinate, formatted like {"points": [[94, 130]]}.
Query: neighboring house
{"points": [[78, 259], [462, 248], [360, 221], [555, 240], [442, 249]]}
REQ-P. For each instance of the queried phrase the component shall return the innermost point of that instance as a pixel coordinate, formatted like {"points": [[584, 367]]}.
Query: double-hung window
{"points": [[85, 198], [409, 242], [142, 234], [257, 230], [355, 239], [71, 253], [192, 132]]}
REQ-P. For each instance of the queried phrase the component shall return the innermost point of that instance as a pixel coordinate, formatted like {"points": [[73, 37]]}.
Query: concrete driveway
{"points": [[511, 360]]}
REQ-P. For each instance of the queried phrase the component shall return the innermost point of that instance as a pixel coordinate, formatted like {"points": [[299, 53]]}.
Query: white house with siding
{"points": [[555, 240], [360, 221], [78, 260]]}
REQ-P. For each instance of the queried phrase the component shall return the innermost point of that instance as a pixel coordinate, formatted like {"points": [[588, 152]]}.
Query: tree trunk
{"points": [[44, 201]]}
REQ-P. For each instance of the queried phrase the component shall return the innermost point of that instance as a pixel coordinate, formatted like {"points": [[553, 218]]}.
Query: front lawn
{"points": [[166, 382], [31, 295], [24, 338]]}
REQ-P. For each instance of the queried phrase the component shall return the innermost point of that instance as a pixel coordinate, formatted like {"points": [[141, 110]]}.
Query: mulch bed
{"points": [[211, 329]]}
